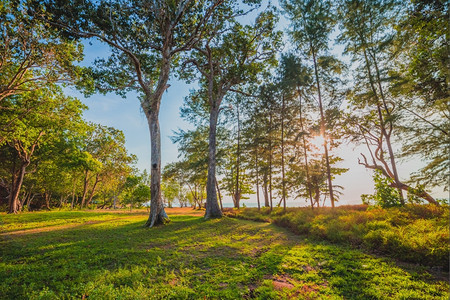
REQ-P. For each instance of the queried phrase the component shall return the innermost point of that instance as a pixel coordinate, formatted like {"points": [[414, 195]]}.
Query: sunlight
{"points": [[318, 141]]}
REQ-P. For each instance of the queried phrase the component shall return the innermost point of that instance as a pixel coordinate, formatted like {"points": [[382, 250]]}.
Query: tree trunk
{"points": [[193, 196], [421, 194], [270, 160], [391, 155], [73, 192], [201, 198], [157, 213], [218, 193], [93, 189], [322, 130], [15, 190], [62, 199], [317, 196], [85, 188], [29, 201], [382, 122], [73, 201], [266, 192], [257, 178], [47, 197], [305, 153], [212, 207], [237, 193], [27, 195], [282, 157], [388, 136]]}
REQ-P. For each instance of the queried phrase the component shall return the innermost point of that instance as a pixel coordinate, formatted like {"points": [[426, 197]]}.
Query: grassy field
{"points": [[414, 233], [104, 255]]}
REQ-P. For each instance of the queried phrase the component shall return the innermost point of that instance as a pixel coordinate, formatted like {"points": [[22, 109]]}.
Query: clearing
{"points": [[109, 255]]}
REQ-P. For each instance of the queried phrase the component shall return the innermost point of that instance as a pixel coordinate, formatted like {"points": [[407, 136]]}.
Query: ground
{"points": [[109, 255]]}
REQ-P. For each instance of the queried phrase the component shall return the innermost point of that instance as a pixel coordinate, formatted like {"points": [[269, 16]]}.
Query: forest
{"points": [[278, 88]]}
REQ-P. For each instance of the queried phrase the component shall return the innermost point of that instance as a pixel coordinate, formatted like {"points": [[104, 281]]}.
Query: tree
{"points": [[368, 36], [231, 54], [420, 84], [108, 159], [312, 22], [171, 191], [145, 38], [297, 77], [32, 56], [193, 148], [49, 121], [135, 191]]}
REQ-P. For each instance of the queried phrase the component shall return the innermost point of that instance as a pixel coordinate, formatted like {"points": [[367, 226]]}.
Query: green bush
{"points": [[385, 195]]}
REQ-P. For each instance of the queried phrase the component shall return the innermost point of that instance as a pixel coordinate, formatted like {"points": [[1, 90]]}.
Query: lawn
{"points": [[102, 255]]}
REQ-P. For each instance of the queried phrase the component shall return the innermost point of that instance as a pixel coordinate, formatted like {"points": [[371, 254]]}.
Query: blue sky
{"points": [[125, 114]]}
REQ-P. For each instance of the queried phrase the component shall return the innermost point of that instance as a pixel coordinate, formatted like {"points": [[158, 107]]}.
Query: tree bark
{"points": [[237, 193], [266, 191], [47, 197], [93, 189], [28, 203], [218, 193], [150, 105], [73, 191], [16, 186], [158, 215], [27, 195], [282, 156], [257, 178], [212, 207], [85, 188], [270, 160]]}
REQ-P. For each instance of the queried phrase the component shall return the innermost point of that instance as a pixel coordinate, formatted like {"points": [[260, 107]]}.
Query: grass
{"points": [[98, 255], [416, 233]]}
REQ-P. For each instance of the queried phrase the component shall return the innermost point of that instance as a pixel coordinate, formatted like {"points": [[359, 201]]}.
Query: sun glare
{"points": [[318, 141]]}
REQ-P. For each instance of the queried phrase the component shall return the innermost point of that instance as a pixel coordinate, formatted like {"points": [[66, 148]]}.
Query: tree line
{"points": [[267, 119]]}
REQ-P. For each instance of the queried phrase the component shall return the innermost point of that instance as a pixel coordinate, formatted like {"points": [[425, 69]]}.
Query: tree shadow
{"points": [[195, 258]]}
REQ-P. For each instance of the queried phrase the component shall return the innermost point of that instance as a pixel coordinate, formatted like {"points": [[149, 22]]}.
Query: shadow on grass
{"points": [[33, 220], [194, 258]]}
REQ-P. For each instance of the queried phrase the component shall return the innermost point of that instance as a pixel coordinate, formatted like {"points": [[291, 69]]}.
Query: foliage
{"points": [[421, 82], [135, 191], [385, 195], [33, 56], [109, 255]]}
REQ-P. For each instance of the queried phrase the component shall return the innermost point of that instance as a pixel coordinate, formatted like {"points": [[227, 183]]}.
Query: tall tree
{"points": [[230, 55], [367, 31], [145, 37], [421, 88], [311, 24], [297, 77]]}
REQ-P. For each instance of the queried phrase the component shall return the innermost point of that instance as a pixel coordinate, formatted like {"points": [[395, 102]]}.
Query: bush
{"points": [[385, 195]]}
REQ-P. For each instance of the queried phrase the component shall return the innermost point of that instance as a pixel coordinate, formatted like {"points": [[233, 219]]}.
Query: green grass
{"points": [[110, 256], [415, 233]]}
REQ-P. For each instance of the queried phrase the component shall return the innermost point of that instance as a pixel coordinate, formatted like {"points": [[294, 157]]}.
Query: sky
{"points": [[126, 115]]}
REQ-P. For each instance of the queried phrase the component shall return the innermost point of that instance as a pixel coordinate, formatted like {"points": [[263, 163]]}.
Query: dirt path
{"points": [[185, 211], [57, 227]]}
